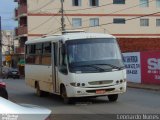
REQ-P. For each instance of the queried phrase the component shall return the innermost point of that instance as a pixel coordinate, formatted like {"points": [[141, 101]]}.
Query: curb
{"points": [[143, 86]]}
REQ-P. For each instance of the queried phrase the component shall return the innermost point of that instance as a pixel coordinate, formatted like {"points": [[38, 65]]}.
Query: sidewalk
{"points": [[143, 86]]}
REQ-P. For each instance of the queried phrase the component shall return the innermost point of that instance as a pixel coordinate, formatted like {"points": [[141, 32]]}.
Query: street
{"points": [[134, 101]]}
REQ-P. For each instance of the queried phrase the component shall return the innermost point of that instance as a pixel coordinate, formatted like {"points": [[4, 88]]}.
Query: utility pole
{"points": [[62, 16], [0, 48]]}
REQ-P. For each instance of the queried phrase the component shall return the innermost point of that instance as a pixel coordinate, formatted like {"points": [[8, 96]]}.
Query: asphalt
{"points": [[144, 86]]}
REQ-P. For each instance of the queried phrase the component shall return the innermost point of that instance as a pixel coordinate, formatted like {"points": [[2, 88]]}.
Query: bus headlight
{"points": [[78, 84], [73, 84], [117, 81], [121, 81], [83, 84]]}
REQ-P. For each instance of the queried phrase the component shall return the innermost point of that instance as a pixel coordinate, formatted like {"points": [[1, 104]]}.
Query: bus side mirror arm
{"points": [[63, 69]]}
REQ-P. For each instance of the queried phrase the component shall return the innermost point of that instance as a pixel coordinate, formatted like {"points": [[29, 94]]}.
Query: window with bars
{"points": [[144, 3], [158, 22], [94, 2], [118, 1], [144, 22], [158, 3], [76, 2], [119, 21], [94, 22], [76, 22]]}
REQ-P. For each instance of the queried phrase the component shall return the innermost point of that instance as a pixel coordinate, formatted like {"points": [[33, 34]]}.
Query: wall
{"points": [[143, 67], [139, 44]]}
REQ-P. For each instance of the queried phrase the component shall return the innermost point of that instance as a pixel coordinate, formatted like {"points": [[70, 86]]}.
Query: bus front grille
{"points": [[101, 82]]}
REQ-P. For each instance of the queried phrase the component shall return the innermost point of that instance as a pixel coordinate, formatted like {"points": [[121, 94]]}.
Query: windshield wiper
{"points": [[93, 66], [113, 66]]}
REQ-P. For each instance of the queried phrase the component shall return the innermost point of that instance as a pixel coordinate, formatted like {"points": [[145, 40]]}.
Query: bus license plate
{"points": [[100, 91]]}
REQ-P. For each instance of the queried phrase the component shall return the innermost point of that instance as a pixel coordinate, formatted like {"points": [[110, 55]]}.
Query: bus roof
{"points": [[69, 36]]}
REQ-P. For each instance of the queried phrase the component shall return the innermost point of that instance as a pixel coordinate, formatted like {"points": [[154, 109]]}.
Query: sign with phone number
{"points": [[133, 67]]}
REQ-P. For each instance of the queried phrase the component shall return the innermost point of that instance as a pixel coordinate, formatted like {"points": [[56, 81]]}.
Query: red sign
{"points": [[150, 67]]}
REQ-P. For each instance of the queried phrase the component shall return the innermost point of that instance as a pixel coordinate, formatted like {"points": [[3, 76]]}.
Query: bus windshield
{"points": [[95, 54]]}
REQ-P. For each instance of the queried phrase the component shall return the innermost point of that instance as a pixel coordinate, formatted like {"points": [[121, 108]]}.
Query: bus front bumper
{"points": [[96, 91]]}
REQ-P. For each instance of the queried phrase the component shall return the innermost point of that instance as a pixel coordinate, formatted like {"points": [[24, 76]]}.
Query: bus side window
{"points": [[38, 53], [46, 54], [30, 54]]}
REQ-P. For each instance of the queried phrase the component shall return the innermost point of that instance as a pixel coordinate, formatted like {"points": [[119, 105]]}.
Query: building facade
{"points": [[9, 45], [136, 23], [7, 42]]}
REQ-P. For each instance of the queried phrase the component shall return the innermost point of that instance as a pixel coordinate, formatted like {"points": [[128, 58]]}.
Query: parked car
{"points": [[3, 91], [11, 73], [12, 111]]}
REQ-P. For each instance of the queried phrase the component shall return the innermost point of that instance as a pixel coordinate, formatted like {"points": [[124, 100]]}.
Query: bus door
{"points": [[55, 52]]}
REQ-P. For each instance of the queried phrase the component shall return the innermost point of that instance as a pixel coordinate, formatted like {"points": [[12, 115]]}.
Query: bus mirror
{"points": [[63, 69]]}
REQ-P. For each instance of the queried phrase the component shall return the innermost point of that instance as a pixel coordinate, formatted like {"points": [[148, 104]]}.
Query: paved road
{"points": [[134, 101]]}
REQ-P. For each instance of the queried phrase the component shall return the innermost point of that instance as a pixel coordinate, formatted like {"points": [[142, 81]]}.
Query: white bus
{"points": [[75, 65]]}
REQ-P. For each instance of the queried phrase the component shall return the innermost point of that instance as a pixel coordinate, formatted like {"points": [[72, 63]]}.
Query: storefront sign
{"points": [[150, 62], [8, 58], [132, 64]]}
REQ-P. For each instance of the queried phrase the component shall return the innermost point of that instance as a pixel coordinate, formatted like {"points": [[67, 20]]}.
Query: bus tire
{"points": [[113, 98], [38, 91], [66, 100]]}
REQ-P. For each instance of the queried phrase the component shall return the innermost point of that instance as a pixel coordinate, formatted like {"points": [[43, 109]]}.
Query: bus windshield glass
{"points": [[93, 55]]}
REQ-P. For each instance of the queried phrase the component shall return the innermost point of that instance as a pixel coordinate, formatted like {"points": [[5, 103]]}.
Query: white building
{"points": [[7, 42]]}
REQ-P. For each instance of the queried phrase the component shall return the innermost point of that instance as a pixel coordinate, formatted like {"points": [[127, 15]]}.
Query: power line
{"points": [[111, 13], [68, 19], [131, 7], [42, 23], [90, 7], [106, 5], [125, 20], [54, 32], [100, 6], [51, 27], [117, 11], [51, 32], [142, 16], [43, 6], [51, 9], [112, 22], [85, 8]]}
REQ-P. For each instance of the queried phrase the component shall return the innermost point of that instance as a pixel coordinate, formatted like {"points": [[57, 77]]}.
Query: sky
{"points": [[7, 14]]}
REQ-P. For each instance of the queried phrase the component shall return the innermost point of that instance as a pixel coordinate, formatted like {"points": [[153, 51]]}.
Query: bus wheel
{"points": [[38, 91], [113, 98], [64, 96]]}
